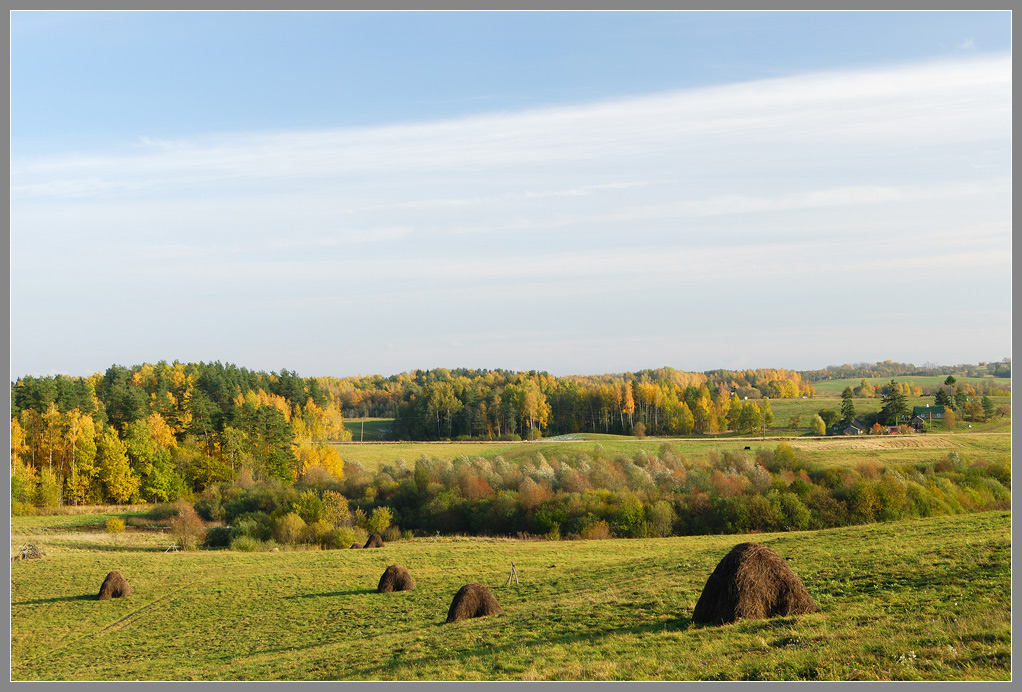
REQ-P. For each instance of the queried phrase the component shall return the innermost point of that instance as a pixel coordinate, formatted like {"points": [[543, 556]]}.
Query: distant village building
{"points": [[854, 428], [927, 412], [925, 415]]}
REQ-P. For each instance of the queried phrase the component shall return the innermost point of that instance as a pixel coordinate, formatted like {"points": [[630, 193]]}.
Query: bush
{"points": [[629, 518], [319, 533], [795, 512], [247, 544], [21, 509], [596, 531], [335, 508], [380, 520], [255, 525], [114, 526], [187, 527], [1001, 472], [661, 518], [826, 511], [309, 507], [639, 430], [342, 538], [289, 529], [392, 533], [162, 511], [218, 537], [210, 506]]}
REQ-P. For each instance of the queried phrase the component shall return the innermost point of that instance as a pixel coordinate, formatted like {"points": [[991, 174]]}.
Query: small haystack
{"points": [[472, 601], [356, 546], [375, 541], [752, 582], [28, 552], [396, 578], [114, 586]]}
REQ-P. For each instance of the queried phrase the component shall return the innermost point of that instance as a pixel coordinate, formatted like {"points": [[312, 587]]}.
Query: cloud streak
{"points": [[912, 106]]}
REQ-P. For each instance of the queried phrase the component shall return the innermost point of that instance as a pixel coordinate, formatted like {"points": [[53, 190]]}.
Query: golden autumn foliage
{"points": [[321, 455]]}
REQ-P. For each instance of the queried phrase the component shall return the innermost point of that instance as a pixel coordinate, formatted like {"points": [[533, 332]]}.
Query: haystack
{"points": [[395, 578], [356, 546], [28, 552], [472, 601], [752, 582], [114, 586], [375, 541]]}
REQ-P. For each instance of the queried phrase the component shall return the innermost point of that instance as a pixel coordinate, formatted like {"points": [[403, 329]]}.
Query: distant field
{"points": [[784, 409], [835, 450], [368, 429], [926, 599], [833, 388]]}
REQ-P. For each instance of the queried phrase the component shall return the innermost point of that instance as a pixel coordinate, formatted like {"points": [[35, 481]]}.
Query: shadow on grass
{"points": [[330, 594], [76, 545], [59, 599], [379, 671]]}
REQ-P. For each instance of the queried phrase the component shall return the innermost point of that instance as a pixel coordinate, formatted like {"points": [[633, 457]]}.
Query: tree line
{"points": [[497, 404]]}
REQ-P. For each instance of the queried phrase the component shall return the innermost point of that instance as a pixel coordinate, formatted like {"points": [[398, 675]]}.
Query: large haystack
{"points": [[752, 582], [375, 541], [114, 586], [395, 578], [472, 601]]}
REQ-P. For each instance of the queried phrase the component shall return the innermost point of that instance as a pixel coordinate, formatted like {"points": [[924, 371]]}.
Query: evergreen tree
{"points": [[895, 404], [988, 407], [847, 405]]}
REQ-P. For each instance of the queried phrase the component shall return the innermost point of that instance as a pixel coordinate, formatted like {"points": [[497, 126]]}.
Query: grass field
{"points": [[835, 450], [914, 600], [368, 429]]}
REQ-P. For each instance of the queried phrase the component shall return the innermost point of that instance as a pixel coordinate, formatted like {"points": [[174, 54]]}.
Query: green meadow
{"points": [[925, 599], [368, 429]]}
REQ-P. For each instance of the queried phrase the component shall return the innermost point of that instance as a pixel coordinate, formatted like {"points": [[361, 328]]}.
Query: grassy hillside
{"points": [[917, 600]]}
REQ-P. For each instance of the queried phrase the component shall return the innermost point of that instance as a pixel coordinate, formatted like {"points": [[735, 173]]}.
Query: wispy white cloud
{"points": [[909, 106]]}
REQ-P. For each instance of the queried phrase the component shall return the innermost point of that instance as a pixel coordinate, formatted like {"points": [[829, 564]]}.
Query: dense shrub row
{"points": [[258, 516], [596, 495]]}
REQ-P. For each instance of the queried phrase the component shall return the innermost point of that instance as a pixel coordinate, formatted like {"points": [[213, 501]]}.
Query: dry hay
{"points": [[114, 586], [395, 578], [375, 541], [28, 552], [874, 443], [472, 601], [752, 582], [356, 546]]}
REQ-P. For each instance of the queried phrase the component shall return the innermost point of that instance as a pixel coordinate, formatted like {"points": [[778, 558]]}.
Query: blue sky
{"points": [[358, 193]]}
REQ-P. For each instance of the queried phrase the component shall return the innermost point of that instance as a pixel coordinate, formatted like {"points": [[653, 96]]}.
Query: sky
{"points": [[357, 193]]}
